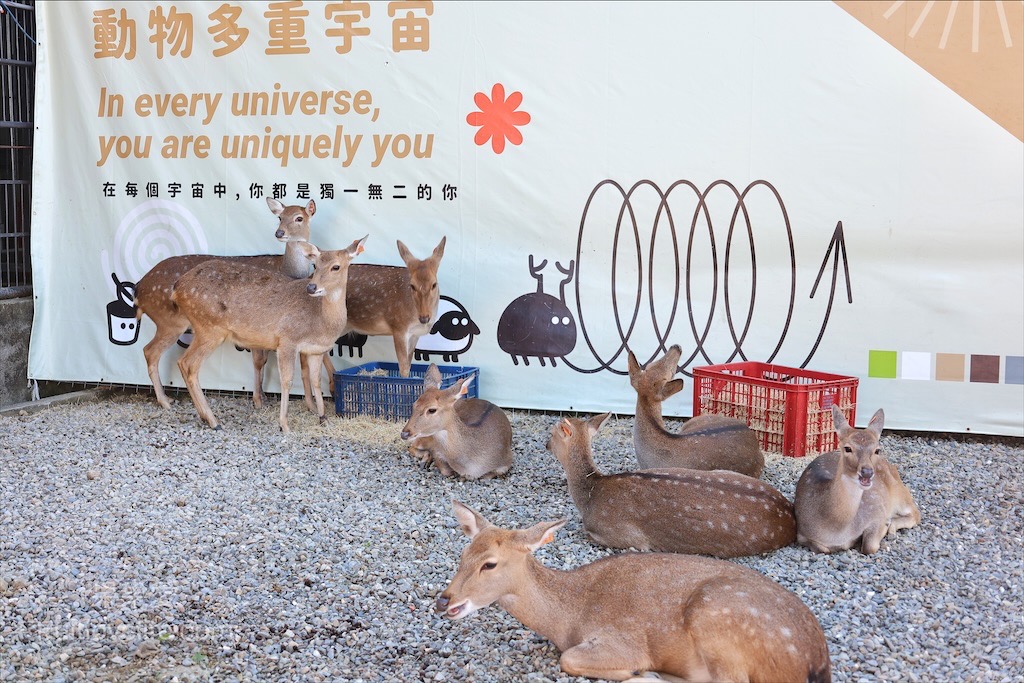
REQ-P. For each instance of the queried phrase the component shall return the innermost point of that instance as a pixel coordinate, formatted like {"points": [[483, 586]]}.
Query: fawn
{"points": [[852, 494], [465, 436], [153, 292], [706, 442], [395, 301], [719, 513], [639, 616], [226, 300]]}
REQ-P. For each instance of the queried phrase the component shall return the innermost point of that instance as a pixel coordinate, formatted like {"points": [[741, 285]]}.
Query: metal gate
{"points": [[17, 110]]}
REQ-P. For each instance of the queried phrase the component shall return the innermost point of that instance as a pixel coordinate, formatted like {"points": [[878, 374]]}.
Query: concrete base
{"points": [[15, 329], [29, 407]]}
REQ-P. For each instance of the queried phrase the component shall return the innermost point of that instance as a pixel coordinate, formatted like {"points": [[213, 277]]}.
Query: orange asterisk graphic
{"points": [[498, 118]]}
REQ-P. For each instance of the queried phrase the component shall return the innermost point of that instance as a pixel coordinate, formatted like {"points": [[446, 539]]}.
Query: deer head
{"points": [[859, 449], [433, 409], [423, 280], [655, 381], [493, 565], [572, 431], [294, 220], [331, 270]]}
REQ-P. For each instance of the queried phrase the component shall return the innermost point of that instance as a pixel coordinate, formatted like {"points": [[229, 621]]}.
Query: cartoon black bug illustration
{"points": [[354, 341], [538, 324], [452, 333]]}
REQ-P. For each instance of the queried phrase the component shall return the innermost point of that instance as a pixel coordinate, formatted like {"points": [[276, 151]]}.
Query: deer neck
{"points": [[581, 474], [648, 416], [333, 314], [547, 601], [294, 264]]}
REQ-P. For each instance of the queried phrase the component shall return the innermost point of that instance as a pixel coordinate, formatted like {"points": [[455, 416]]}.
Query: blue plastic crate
{"points": [[390, 396]]}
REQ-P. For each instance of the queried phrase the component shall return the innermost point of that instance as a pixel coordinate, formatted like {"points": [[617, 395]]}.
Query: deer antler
{"points": [[568, 277], [535, 271]]}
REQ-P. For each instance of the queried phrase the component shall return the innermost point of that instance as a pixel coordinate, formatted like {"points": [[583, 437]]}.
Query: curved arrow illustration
{"points": [[835, 246]]}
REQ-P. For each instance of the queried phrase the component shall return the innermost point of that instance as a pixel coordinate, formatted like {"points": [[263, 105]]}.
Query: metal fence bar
{"points": [[17, 114]]}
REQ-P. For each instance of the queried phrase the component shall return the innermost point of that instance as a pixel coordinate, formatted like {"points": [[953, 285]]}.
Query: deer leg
{"points": [[189, 363], [259, 359], [286, 367], [329, 367], [608, 656], [403, 353], [161, 341], [308, 380], [313, 365], [872, 539]]}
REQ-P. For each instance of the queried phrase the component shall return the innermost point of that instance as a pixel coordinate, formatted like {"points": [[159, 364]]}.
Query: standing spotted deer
{"points": [[706, 442], [394, 301], [153, 291], [260, 309], [719, 513], [640, 616], [853, 494], [465, 436]]}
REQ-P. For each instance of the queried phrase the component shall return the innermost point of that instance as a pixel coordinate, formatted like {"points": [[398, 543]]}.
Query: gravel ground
{"points": [[138, 545]]}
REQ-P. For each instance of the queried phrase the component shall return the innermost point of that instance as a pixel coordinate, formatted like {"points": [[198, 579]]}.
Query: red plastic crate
{"points": [[790, 409]]}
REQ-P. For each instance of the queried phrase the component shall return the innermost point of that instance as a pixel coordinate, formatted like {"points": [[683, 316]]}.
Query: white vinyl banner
{"points": [[751, 181]]}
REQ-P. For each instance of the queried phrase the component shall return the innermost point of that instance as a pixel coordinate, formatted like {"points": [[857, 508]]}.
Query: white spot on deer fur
{"points": [[786, 633], [791, 648], [721, 480], [743, 518], [754, 612], [711, 524]]}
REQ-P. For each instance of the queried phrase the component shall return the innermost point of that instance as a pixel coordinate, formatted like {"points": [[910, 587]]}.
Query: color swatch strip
{"points": [[946, 367]]}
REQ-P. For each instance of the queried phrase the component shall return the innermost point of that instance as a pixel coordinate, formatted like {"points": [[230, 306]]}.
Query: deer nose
{"points": [[406, 434], [441, 604], [279, 234], [424, 319], [867, 472], [310, 288]]}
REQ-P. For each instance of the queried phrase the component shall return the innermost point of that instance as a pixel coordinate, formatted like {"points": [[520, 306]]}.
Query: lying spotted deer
{"points": [[853, 494], [706, 442], [719, 513], [640, 616], [469, 437], [259, 309], [394, 301], [153, 291]]}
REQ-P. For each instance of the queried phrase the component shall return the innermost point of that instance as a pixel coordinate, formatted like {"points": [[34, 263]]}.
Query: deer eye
{"points": [[433, 286], [488, 565], [878, 451], [298, 219], [431, 411], [848, 449], [335, 267]]}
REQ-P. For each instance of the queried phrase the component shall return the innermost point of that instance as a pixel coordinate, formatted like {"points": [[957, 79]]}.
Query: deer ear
{"points": [[357, 247], [432, 378], [634, 366], [671, 388], [439, 249], [877, 422], [464, 387], [542, 533], [404, 252], [566, 427], [595, 423], [310, 251], [471, 521], [839, 420], [276, 207]]}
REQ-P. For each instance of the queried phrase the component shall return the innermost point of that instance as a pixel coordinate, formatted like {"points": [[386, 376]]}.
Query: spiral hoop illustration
{"points": [[700, 225], [153, 231]]}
